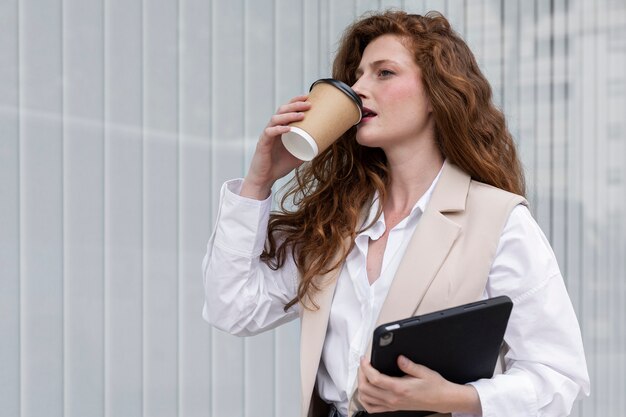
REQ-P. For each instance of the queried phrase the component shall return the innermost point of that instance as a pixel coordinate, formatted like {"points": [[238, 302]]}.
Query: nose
{"points": [[359, 88]]}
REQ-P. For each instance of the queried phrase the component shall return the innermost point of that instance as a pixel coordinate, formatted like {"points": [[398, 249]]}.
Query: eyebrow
{"points": [[375, 64]]}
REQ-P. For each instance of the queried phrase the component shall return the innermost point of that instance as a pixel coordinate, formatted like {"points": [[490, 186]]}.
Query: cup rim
{"points": [[290, 140], [346, 89]]}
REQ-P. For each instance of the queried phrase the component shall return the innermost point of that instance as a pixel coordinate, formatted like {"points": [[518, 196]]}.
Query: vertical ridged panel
{"points": [[415, 6], [310, 43], [227, 84], [589, 169], [83, 197], [573, 256], [475, 30], [324, 27], [123, 224], [603, 216], [511, 64], [41, 209], [389, 4], [457, 16], [543, 141], [411, 6], [437, 5], [614, 14], [527, 85], [363, 6], [559, 133], [341, 15], [492, 53], [194, 221], [260, 24], [572, 264], [9, 212], [261, 65], [121, 120], [290, 38], [160, 208]]}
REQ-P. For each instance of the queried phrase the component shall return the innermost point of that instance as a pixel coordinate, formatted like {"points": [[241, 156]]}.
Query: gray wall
{"points": [[120, 119]]}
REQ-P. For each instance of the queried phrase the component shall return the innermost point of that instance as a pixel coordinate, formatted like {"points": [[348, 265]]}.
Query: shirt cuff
{"points": [[242, 223], [511, 394]]}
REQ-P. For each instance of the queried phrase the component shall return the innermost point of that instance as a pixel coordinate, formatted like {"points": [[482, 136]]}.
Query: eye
{"points": [[385, 73]]}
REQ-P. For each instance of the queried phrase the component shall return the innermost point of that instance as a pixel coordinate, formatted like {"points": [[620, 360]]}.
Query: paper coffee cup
{"points": [[335, 107]]}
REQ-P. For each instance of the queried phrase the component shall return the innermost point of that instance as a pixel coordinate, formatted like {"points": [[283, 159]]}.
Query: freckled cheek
{"points": [[404, 99], [399, 93], [408, 108]]}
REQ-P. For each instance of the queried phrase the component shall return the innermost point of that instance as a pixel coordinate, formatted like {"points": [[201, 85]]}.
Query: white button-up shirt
{"points": [[357, 304], [545, 366]]}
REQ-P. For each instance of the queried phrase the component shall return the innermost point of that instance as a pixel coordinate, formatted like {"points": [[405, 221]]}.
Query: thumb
{"points": [[411, 368]]}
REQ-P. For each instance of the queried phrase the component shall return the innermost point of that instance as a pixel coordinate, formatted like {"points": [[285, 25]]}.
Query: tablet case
{"points": [[461, 343]]}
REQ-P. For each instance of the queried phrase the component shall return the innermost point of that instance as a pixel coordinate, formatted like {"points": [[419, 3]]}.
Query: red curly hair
{"points": [[321, 208]]}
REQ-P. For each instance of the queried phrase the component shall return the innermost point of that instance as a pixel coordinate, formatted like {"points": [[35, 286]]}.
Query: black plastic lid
{"points": [[343, 87]]}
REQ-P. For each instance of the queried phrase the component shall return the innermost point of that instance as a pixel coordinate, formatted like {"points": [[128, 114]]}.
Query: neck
{"points": [[412, 172]]}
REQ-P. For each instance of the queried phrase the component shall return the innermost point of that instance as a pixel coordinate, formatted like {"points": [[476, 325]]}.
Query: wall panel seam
{"points": [[212, 199], [64, 283], [19, 204], [178, 204], [142, 208], [105, 197], [244, 113]]}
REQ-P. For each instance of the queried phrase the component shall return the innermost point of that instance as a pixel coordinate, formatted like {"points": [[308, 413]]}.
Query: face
{"points": [[396, 110]]}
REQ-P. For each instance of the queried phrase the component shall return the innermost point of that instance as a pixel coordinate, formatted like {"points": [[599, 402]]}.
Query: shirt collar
{"points": [[378, 228]]}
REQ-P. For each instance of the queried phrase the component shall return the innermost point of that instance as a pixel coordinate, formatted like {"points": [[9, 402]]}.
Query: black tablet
{"points": [[461, 343]]}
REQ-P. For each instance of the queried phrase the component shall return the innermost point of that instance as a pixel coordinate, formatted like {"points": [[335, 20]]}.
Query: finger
{"points": [[294, 107], [411, 368], [373, 393], [368, 389], [285, 119], [360, 376], [374, 377], [273, 132], [302, 97], [372, 405], [371, 397]]}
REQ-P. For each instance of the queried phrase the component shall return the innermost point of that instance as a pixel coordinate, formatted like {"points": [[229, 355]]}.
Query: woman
{"points": [[417, 209]]}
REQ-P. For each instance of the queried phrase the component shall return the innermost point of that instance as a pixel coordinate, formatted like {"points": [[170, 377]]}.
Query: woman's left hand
{"points": [[420, 389]]}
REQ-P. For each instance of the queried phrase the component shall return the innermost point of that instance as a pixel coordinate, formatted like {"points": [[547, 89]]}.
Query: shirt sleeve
{"points": [[243, 295], [545, 366]]}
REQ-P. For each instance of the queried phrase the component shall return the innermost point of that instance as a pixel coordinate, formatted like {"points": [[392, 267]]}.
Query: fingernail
{"points": [[403, 360]]}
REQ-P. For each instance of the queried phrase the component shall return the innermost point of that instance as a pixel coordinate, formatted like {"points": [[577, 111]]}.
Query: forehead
{"points": [[387, 47]]}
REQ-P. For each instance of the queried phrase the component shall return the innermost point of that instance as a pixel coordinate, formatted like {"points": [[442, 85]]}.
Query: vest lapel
{"points": [[417, 271], [312, 335], [313, 326], [429, 246]]}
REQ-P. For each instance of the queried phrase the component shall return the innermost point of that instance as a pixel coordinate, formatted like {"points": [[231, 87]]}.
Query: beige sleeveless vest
{"points": [[447, 263]]}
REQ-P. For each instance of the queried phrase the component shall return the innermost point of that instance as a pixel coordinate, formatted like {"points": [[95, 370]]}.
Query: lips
{"points": [[368, 114]]}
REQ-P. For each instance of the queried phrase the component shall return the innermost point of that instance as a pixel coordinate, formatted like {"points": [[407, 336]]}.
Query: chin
{"points": [[367, 140]]}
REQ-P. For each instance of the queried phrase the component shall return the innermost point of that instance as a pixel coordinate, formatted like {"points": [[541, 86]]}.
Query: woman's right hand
{"points": [[271, 160]]}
